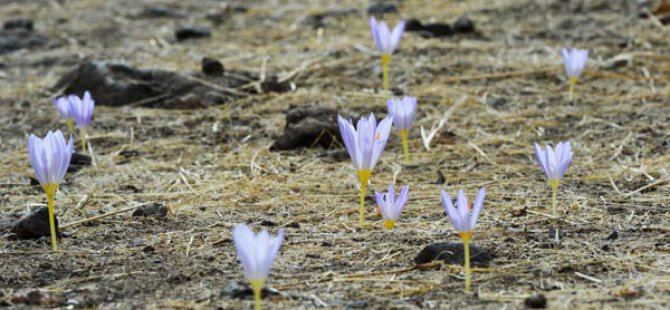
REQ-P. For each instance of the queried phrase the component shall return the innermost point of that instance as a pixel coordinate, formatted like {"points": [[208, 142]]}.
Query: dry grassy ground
{"points": [[213, 169]]}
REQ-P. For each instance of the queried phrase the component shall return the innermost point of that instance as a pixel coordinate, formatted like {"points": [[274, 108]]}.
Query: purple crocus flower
{"points": [[62, 105], [574, 61], [365, 145], [463, 221], [554, 163], [403, 111], [366, 142], [386, 40], [256, 252], [50, 157], [390, 207], [81, 109]]}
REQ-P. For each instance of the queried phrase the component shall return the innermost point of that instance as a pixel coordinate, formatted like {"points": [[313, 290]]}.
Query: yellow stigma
{"points": [[466, 235], [389, 224]]}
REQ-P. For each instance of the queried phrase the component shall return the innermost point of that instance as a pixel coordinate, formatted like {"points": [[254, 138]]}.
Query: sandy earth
{"points": [[503, 86]]}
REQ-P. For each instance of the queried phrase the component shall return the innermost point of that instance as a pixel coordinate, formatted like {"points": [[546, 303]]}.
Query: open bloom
{"points": [[367, 141], [554, 163], [386, 40], [50, 157], [390, 207], [403, 111], [463, 221], [257, 252], [81, 109], [574, 61]]}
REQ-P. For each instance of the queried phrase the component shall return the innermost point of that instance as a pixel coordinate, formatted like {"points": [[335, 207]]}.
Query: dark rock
{"points": [[272, 85], [336, 155], [613, 236], [293, 225], [268, 223], [382, 8], [20, 38], [152, 209], [78, 161], [214, 98], [308, 127], [35, 225], [158, 12], [429, 30], [318, 20], [413, 25], [148, 249], [464, 25], [357, 304], [239, 290], [536, 301], [211, 66], [19, 23], [440, 178], [38, 298], [453, 253], [116, 84], [191, 32]]}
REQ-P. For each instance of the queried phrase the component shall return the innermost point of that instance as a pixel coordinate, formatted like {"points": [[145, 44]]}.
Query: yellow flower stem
{"points": [[257, 287], [404, 134], [70, 125], [466, 236], [82, 131], [363, 176], [572, 81], [554, 189], [386, 58], [50, 189]]}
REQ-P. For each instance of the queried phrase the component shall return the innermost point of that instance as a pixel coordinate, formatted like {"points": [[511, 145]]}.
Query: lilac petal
{"points": [[35, 153], [396, 35], [402, 198], [384, 37], [375, 33], [477, 207], [366, 135], [541, 158], [379, 198], [348, 134], [463, 211], [380, 139], [551, 162], [451, 211]]}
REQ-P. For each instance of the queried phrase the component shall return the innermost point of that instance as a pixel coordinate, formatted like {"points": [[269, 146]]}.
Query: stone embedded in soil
{"points": [[159, 11], [308, 127], [17, 38], [453, 253], [191, 32], [19, 23], [429, 30], [153, 209], [116, 84], [35, 225], [382, 8], [239, 290], [37, 298], [211, 66], [464, 25], [536, 301], [78, 161]]}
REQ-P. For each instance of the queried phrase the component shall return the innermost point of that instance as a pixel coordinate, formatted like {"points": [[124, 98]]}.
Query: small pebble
{"points": [[381, 8], [19, 23], [153, 209], [211, 66], [184, 33], [34, 225], [464, 25], [537, 301], [453, 253]]}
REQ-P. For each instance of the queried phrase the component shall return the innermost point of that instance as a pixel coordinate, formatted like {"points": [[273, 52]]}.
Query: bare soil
{"points": [[212, 166]]}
